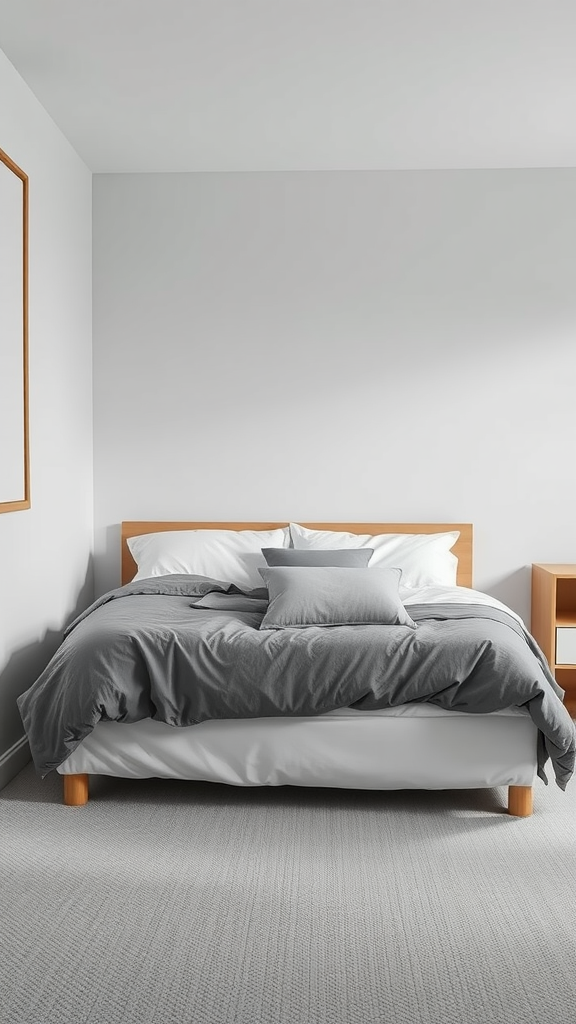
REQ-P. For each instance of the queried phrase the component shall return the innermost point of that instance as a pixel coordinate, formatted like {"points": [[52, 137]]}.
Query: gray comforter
{"points": [[184, 649]]}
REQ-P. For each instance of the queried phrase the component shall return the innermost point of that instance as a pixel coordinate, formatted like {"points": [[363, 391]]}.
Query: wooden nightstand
{"points": [[554, 622]]}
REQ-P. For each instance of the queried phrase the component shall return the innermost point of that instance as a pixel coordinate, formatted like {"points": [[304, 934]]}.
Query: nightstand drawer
{"points": [[566, 645]]}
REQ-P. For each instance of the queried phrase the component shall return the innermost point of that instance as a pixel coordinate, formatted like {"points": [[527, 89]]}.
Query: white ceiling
{"points": [[242, 85]]}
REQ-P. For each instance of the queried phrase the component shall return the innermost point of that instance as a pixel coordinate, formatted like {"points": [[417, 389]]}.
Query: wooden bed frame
{"points": [[520, 798]]}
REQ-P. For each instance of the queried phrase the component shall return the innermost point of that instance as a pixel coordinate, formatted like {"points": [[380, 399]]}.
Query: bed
{"points": [[415, 744]]}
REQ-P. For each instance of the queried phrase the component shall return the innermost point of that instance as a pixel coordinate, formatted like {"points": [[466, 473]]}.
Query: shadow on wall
{"points": [[114, 554], [22, 668], [108, 565], [512, 590]]}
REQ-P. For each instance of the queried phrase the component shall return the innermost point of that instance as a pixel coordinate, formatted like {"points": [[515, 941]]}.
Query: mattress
{"points": [[413, 746]]}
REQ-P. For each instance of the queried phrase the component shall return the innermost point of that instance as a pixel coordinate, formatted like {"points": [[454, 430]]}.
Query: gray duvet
{"points": [[184, 649]]}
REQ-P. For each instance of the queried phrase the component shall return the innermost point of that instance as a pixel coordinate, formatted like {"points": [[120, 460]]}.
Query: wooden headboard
{"points": [[462, 548]]}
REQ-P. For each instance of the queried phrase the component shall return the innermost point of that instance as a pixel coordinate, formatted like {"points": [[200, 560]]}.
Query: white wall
{"points": [[45, 552], [379, 346]]}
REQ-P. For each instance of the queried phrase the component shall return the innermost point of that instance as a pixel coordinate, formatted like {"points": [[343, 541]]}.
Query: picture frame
{"points": [[14, 400]]}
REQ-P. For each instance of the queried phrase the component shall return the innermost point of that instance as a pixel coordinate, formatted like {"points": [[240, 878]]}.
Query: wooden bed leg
{"points": [[75, 790], [520, 801]]}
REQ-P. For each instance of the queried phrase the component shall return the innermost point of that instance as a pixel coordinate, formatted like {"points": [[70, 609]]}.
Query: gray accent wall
{"points": [[340, 345]]}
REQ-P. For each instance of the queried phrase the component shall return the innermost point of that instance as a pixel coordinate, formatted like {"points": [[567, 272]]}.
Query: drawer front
{"points": [[566, 645]]}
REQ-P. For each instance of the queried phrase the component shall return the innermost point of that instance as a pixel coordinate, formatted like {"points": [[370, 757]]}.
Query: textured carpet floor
{"points": [[168, 903]]}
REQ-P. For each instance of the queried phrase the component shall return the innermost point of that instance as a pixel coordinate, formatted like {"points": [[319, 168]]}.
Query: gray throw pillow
{"points": [[353, 558], [332, 596]]}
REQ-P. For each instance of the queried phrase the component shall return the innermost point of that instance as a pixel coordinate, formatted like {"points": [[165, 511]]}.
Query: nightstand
{"points": [[554, 622]]}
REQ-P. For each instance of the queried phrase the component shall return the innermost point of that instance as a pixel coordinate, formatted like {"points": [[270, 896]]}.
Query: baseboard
{"points": [[14, 760]]}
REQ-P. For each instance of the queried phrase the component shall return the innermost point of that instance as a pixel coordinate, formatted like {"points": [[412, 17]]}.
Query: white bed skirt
{"points": [[414, 746]]}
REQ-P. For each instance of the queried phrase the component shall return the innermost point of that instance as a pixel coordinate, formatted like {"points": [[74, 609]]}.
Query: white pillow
{"points": [[425, 558], [230, 555]]}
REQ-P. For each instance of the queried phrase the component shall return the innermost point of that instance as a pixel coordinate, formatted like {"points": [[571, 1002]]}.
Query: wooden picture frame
{"points": [[14, 427]]}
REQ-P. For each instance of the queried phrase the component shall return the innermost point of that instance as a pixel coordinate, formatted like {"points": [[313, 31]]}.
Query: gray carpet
{"points": [[169, 902]]}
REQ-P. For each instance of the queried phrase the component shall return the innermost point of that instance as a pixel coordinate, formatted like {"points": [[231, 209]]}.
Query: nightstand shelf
{"points": [[554, 622]]}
